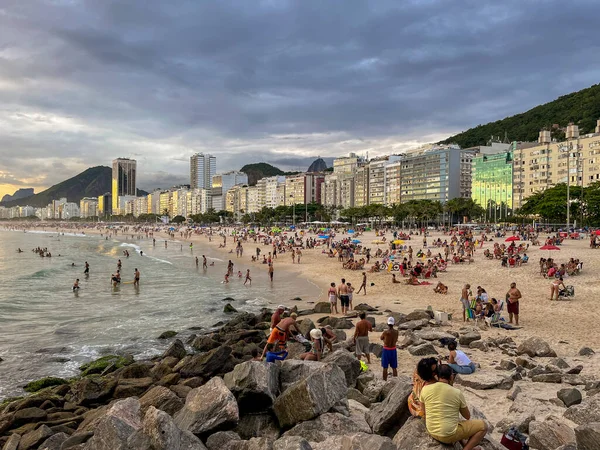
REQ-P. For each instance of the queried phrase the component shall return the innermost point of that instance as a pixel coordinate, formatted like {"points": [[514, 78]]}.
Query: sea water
{"points": [[46, 329]]}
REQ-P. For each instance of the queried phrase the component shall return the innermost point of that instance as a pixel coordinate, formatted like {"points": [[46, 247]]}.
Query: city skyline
{"points": [[85, 82]]}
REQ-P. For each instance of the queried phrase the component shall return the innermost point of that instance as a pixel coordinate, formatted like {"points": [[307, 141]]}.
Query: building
{"points": [[105, 205], [253, 202], [392, 185], [347, 164], [199, 201], [68, 210], [125, 205], [221, 183], [202, 169], [361, 186], [492, 184], [88, 207], [271, 191], [123, 181], [154, 202]]}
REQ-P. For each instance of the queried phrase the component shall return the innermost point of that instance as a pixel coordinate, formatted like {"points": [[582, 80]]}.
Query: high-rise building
{"points": [[361, 186], [88, 207], [492, 186], [202, 169], [105, 205], [221, 183], [123, 181]]}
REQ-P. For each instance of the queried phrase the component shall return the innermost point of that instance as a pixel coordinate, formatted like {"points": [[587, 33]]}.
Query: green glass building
{"points": [[492, 184]]}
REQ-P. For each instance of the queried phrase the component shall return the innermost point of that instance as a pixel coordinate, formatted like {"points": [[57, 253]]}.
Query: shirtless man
{"points": [[204, 262], [197, 261], [276, 317], [136, 277], [248, 278], [464, 299], [344, 297], [513, 296], [280, 333], [87, 269], [76, 285], [361, 337], [271, 272], [389, 355]]}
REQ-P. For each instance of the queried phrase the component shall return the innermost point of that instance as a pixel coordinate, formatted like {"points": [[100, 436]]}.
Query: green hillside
{"points": [[581, 108], [257, 171], [90, 183]]}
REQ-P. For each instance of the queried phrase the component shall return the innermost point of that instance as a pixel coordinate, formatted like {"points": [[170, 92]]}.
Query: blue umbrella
{"points": [[323, 236], [356, 241], [350, 231]]}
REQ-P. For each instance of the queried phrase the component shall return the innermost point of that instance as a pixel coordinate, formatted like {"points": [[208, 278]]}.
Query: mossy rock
{"points": [[42, 383], [98, 365], [168, 334], [229, 309]]}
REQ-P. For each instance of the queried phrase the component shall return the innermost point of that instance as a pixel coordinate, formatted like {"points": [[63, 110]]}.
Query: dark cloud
{"points": [[82, 81]]}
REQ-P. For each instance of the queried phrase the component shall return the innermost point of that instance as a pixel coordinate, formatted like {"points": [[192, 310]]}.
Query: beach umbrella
{"points": [[549, 247], [350, 231], [398, 242], [597, 233], [356, 241], [323, 236], [512, 238]]}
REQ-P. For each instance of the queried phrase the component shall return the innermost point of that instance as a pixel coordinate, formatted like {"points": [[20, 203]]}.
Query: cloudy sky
{"points": [[85, 81]]}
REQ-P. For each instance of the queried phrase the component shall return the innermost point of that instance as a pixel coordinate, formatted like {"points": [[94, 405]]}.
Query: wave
{"points": [[215, 259], [136, 247], [159, 260]]}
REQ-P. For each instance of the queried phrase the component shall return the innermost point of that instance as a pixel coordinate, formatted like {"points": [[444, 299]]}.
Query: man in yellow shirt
{"points": [[443, 403]]}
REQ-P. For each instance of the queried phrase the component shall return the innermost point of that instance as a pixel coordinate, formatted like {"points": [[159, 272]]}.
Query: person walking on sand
{"points": [[512, 297], [332, 296], [361, 337], [464, 299], [248, 278], [389, 354], [363, 286]]}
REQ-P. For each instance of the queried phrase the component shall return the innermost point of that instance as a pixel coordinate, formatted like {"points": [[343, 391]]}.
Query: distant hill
{"points": [[89, 183], [257, 171], [318, 165], [582, 108], [21, 193]]}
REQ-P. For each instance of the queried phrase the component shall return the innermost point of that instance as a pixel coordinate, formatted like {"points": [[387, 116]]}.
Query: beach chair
{"points": [[496, 317], [471, 313]]}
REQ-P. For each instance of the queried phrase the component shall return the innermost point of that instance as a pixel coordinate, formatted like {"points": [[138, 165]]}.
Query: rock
{"points": [[206, 364], [586, 412], [575, 370], [569, 396], [573, 380], [355, 394], [292, 371], [312, 396], [559, 362], [119, 421], [410, 338], [319, 429], [387, 417], [161, 398], [29, 415], [160, 371], [548, 378], [534, 346], [337, 322], [526, 362], [168, 334], [347, 362], [136, 370], [419, 314], [229, 309], [104, 364], [258, 425], [376, 349], [254, 384], [132, 387], [485, 380], [340, 335], [364, 379], [355, 441], [422, 350], [364, 307], [414, 324], [588, 436], [513, 393], [469, 336], [586, 351], [550, 434], [164, 434], [33, 439], [479, 345], [380, 327], [54, 442], [207, 408], [507, 364], [414, 436], [13, 442], [322, 308], [91, 391], [305, 325], [175, 350], [520, 422], [76, 439], [204, 343], [291, 443], [220, 439], [42, 383]]}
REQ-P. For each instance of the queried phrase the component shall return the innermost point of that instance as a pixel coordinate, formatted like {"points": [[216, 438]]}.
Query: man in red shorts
{"points": [[512, 297], [279, 335]]}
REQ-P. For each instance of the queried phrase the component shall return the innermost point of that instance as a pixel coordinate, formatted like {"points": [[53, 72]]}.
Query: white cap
{"points": [[281, 307], [391, 321]]}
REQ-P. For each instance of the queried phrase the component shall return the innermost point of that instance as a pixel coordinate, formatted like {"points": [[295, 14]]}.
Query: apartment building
{"points": [[361, 186]]}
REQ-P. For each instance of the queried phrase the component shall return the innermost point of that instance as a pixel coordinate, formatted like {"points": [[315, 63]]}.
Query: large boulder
{"points": [[34, 438], [550, 434], [208, 408], [485, 380], [207, 364], [54, 442], [305, 325], [431, 334], [132, 387], [221, 439], [534, 346], [413, 436], [414, 324], [175, 350], [466, 337], [291, 443], [255, 385], [355, 441], [588, 436], [258, 425], [387, 417], [293, 370], [422, 350], [93, 390], [161, 398], [113, 429], [586, 412], [204, 343], [163, 434], [347, 362], [322, 308], [356, 395], [317, 430], [312, 396], [337, 322], [569, 396]]}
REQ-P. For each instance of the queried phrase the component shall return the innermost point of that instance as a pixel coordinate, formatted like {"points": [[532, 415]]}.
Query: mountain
{"points": [[582, 108], [318, 165], [21, 193], [257, 171], [89, 183]]}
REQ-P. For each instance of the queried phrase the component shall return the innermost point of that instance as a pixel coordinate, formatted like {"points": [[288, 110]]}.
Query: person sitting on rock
{"points": [[272, 356], [458, 361], [316, 350], [414, 404], [443, 403]]}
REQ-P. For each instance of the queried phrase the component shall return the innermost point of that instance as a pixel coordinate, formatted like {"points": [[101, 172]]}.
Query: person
{"points": [[280, 332], [248, 278], [316, 349], [116, 278], [350, 294], [389, 355], [459, 362], [276, 317], [226, 278], [464, 299], [328, 336], [363, 286], [76, 285], [136, 277], [361, 337], [272, 356], [344, 298], [512, 298], [555, 287], [443, 403], [87, 269], [254, 354], [414, 403], [271, 272], [204, 262], [119, 264], [197, 262], [440, 288], [394, 280], [332, 294]]}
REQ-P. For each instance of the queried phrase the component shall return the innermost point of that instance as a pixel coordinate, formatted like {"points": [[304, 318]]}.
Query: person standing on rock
{"points": [[389, 354], [512, 297], [443, 403], [332, 295], [361, 337], [344, 297], [276, 317], [280, 333]]}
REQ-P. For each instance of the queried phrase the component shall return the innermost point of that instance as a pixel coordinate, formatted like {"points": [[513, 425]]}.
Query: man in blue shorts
{"points": [[389, 355]]}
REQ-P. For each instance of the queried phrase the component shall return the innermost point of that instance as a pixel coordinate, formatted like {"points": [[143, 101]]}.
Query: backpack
{"points": [[513, 439]]}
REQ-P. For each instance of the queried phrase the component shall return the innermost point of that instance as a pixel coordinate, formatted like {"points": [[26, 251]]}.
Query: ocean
{"points": [[46, 329]]}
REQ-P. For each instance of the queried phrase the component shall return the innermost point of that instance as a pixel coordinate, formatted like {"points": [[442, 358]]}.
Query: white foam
{"points": [[136, 247], [159, 260]]}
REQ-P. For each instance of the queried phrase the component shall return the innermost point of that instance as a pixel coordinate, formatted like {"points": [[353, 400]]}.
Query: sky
{"points": [[85, 81]]}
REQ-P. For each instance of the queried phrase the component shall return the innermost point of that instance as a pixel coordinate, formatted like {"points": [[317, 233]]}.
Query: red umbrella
{"points": [[597, 232], [549, 247], [512, 238]]}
